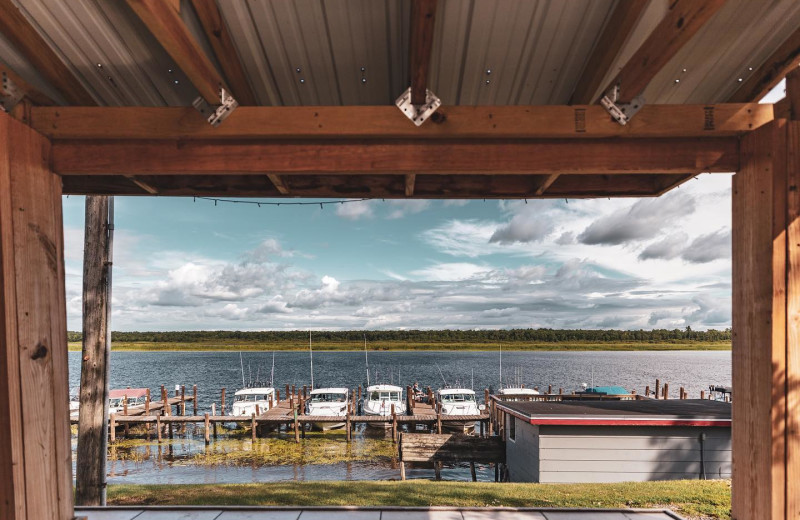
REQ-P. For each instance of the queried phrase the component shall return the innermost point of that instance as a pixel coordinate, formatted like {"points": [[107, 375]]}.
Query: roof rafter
{"points": [[16, 28], [166, 25], [617, 31], [683, 20], [279, 182], [31, 93], [411, 180], [771, 72], [423, 13], [221, 42]]}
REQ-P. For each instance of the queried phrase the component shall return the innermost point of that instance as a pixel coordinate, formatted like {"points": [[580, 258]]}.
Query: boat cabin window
{"points": [[458, 398], [384, 396], [328, 398], [250, 398]]}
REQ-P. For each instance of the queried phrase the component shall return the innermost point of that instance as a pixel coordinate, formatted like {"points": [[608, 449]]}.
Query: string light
{"points": [[259, 203]]}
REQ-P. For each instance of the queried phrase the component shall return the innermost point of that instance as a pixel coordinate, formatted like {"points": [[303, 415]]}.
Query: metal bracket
{"points": [[10, 93], [216, 114], [621, 113], [418, 114]]}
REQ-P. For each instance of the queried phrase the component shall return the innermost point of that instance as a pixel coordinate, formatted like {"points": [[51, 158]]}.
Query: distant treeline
{"points": [[425, 336]]}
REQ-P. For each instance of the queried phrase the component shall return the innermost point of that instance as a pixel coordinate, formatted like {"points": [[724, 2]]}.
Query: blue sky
{"points": [[624, 263]]}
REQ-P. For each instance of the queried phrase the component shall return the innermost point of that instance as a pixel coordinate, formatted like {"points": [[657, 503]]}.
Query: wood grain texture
{"points": [[15, 27], [618, 29], [32, 94], [35, 429], [92, 442], [612, 156], [411, 179], [279, 183], [771, 72], [759, 326], [428, 447], [420, 46], [683, 20], [165, 23], [221, 42], [386, 122]]}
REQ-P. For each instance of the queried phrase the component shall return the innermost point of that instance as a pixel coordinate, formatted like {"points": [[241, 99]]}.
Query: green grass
{"points": [[404, 345], [691, 498]]}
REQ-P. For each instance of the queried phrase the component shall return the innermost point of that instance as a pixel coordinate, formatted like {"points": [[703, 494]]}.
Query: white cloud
{"points": [[403, 207], [355, 210], [451, 272]]}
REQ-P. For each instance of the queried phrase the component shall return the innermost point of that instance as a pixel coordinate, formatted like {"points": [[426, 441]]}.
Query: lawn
{"points": [[691, 498]]}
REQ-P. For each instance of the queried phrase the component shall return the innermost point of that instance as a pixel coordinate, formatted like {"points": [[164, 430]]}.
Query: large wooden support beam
{"points": [[165, 23], [609, 156], [222, 43], [90, 472], [766, 329], [423, 13], [771, 72], [616, 32], [15, 27], [35, 450], [683, 20], [385, 122]]}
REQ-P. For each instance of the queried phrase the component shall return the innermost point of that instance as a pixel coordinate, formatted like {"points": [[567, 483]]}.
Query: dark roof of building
{"points": [[677, 412]]}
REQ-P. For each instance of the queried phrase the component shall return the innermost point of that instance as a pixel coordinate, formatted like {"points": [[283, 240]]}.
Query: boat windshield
{"points": [[384, 396], [328, 398], [458, 398], [118, 401], [250, 398]]}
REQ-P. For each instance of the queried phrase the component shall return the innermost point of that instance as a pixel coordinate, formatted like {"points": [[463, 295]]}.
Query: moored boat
{"points": [[252, 400], [454, 402], [328, 402], [378, 401]]}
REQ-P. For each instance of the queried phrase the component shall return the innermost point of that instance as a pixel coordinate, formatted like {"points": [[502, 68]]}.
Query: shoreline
{"points": [[405, 347]]}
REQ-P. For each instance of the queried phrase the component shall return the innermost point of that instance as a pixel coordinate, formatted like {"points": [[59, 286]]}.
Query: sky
{"points": [[184, 264]]}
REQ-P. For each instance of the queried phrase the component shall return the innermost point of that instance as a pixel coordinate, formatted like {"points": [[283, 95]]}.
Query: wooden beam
{"points": [[771, 72], [386, 122], [16, 28], [31, 93], [423, 14], [143, 185], [549, 180], [165, 23], [616, 32], [90, 472], [221, 42], [683, 20], [35, 452], [279, 183], [609, 156], [411, 179]]}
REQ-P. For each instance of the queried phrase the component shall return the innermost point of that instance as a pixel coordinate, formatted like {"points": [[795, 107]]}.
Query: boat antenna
{"points": [[249, 373], [242, 363], [366, 359], [441, 374], [272, 373], [472, 380], [311, 358]]}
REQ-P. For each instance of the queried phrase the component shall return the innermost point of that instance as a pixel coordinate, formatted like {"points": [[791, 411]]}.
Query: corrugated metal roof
{"points": [[355, 52]]}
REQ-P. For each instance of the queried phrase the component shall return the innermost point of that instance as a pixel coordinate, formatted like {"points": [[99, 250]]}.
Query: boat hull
{"points": [[327, 426], [458, 426]]}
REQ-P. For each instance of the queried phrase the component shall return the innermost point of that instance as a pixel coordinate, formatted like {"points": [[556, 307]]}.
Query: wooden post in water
{"points": [[194, 400], [183, 400], [125, 412], [702, 394], [287, 392], [278, 396], [112, 427], [402, 470], [359, 392], [147, 401], [666, 390], [658, 389], [214, 412], [258, 410], [207, 430], [253, 424], [394, 425], [409, 406], [560, 391], [486, 398], [549, 391], [647, 391], [681, 393], [158, 428], [348, 433], [437, 470], [296, 429], [223, 401], [438, 418], [472, 471], [164, 401]]}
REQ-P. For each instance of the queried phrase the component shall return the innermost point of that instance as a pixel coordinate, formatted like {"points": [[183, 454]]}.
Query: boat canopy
{"points": [[329, 391], [254, 391], [446, 391], [132, 393], [384, 388], [608, 390]]}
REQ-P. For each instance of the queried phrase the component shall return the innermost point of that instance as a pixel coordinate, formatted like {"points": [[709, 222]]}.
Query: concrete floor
{"points": [[356, 513]]}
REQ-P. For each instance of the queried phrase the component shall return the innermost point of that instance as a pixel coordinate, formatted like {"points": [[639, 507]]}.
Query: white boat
{"points": [[246, 400], [458, 401], [516, 393], [378, 401], [328, 402]]}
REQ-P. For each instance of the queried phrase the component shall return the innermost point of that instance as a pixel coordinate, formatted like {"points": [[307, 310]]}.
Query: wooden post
{"points": [[486, 398], [348, 432], [112, 427], [658, 388], [560, 391], [207, 429], [437, 470], [647, 391], [666, 390], [549, 389], [183, 400], [147, 401], [222, 402], [158, 427], [438, 419], [296, 428], [472, 470], [194, 400], [702, 394], [287, 391], [92, 444], [394, 425], [258, 410], [214, 413], [681, 392], [125, 413], [278, 396], [164, 401], [402, 470], [766, 331], [359, 392], [253, 425]]}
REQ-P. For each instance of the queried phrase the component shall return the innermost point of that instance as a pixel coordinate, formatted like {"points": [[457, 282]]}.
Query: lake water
{"points": [[186, 459]]}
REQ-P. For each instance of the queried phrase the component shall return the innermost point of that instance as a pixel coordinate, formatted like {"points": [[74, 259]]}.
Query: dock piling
{"points": [[658, 388], [125, 412], [183, 400], [647, 391], [394, 425], [666, 390], [472, 470], [164, 401], [223, 401], [112, 427], [253, 425], [207, 429], [158, 428], [194, 399]]}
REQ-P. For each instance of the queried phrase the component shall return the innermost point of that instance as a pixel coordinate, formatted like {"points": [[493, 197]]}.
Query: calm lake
{"points": [[186, 459]]}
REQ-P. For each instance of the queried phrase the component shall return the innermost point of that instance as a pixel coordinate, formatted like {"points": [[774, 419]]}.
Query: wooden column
{"points": [[766, 345], [92, 441], [35, 453]]}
